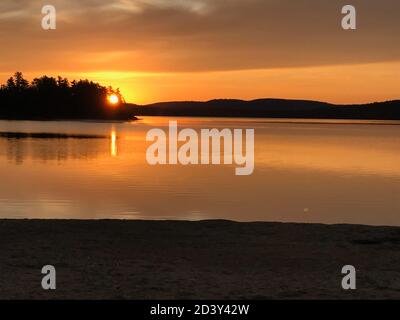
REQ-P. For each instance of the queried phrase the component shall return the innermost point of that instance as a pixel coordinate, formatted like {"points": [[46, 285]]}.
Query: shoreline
{"points": [[268, 120], [212, 259], [89, 120]]}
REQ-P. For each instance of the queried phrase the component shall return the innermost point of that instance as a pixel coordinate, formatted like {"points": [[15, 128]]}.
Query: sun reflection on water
{"points": [[113, 144]]}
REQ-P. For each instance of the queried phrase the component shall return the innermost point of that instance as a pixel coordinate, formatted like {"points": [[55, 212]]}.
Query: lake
{"points": [[305, 171]]}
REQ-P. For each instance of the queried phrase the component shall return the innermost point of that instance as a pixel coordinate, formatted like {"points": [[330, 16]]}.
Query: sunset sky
{"points": [[162, 50]]}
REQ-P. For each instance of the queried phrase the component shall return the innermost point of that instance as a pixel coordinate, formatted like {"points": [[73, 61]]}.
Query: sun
{"points": [[113, 99]]}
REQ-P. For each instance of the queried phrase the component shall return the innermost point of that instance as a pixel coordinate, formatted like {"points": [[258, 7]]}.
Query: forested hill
{"points": [[49, 98]]}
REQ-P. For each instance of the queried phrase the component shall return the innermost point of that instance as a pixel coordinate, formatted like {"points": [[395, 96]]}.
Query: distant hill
{"points": [[270, 108]]}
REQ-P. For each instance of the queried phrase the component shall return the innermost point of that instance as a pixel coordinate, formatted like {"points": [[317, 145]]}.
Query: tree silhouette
{"points": [[58, 98], [20, 83]]}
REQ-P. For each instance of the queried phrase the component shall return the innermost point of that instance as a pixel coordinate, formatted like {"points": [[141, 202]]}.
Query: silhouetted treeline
{"points": [[58, 98], [272, 108]]}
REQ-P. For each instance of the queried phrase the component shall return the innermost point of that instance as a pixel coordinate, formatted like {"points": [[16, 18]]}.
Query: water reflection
{"points": [[309, 172], [19, 146], [113, 143]]}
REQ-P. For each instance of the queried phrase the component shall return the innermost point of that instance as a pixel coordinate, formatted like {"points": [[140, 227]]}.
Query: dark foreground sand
{"points": [[206, 260]]}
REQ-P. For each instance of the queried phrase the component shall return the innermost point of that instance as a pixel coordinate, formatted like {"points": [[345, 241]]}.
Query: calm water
{"points": [[305, 171]]}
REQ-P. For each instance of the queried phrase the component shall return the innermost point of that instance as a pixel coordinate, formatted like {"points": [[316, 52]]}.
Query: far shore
{"points": [[114, 259], [273, 120], [132, 118]]}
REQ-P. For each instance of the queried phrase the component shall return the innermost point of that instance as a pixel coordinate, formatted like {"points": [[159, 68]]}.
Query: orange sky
{"points": [[162, 50]]}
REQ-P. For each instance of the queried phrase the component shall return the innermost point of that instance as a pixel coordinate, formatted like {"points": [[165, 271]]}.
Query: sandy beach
{"points": [[114, 259]]}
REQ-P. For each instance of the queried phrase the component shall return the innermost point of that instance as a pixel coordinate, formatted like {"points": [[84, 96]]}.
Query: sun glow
{"points": [[113, 99]]}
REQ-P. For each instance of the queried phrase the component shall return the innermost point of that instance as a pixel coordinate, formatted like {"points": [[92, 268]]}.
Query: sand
{"points": [[196, 260]]}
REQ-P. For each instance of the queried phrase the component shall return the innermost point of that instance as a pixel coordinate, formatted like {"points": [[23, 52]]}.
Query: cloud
{"points": [[195, 35], [196, 6]]}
